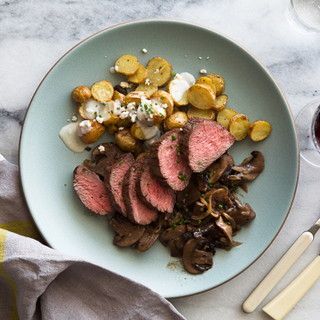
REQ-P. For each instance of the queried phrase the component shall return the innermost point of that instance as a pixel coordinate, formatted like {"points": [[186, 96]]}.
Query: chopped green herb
{"points": [[178, 144], [174, 226], [148, 183], [172, 147], [162, 98], [214, 172], [173, 74], [200, 162], [118, 108], [236, 191], [174, 137], [178, 160], [210, 170], [228, 223], [122, 198], [171, 186], [120, 182], [186, 195], [199, 229], [121, 162], [199, 221], [104, 103], [222, 136], [232, 185], [100, 116], [75, 181], [187, 210], [220, 206], [201, 209], [112, 111], [161, 115], [177, 204], [135, 169], [202, 195]]}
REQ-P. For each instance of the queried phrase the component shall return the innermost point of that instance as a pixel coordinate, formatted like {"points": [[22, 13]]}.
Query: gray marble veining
{"points": [[35, 34]]}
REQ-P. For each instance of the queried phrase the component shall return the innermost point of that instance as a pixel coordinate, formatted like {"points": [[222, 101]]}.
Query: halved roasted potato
{"points": [[208, 81], [219, 82], [164, 98], [112, 128], [184, 99], [201, 96], [124, 123], [224, 116], [159, 71], [176, 120], [127, 65], [239, 126], [259, 130], [81, 94], [126, 141], [140, 76], [143, 132], [201, 113], [102, 91], [134, 96], [220, 103], [118, 96], [148, 89], [91, 136]]}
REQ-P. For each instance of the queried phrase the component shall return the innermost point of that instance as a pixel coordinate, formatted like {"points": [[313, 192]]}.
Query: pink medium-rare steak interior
{"points": [[205, 141], [92, 191], [155, 193], [137, 212], [172, 163], [114, 179]]}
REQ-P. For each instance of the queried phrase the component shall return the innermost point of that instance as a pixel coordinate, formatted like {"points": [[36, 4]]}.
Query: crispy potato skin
{"points": [[201, 96], [102, 91], [201, 113], [159, 71], [259, 130], [126, 141], [81, 94], [239, 126], [164, 98], [176, 120], [94, 134], [127, 65], [224, 116]]}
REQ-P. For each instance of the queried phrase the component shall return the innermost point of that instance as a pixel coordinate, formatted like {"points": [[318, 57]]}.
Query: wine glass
{"points": [[308, 127], [304, 15]]}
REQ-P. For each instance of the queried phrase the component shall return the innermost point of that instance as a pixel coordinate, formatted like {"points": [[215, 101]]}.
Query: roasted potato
{"points": [[134, 96], [109, 114], [201, 113], [178, 103], [164, 98], [201, 96], [127, 65], [81, 94], [118, 96], [148, 89], [259, 130], [96, 131], [143, 132], [224, 116], [140, 76], [209, 82], [102, 91], [220, 103], [124, 123], [219, 82], [159, 71], [126, 141], [89, 104], [112, 128], [239, 126], [176, 120]]}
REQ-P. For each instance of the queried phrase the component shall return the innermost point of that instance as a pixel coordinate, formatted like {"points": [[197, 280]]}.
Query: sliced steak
{"points": [[167, 161], [137, 212], [103, 155], [92, 191], [113, 179], [204, 141], [152, 192]]}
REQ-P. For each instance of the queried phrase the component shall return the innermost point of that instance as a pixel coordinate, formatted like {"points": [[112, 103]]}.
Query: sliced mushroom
{"points": [[203, 230], [228, 158], [105, 150], [127, 233], [250, 167], [146, 241], [241, 214], [225, 228], [170, 236], [216, 169], [189, 194], [195, 258]]}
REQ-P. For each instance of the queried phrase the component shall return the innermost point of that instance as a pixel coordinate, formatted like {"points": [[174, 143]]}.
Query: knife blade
{"points": [[280, 269]]}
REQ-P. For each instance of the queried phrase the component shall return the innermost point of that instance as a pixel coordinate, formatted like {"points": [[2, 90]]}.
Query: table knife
{"points": [[279, 270]]}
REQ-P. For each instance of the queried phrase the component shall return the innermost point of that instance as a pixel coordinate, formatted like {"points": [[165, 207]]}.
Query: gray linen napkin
{"points": [[37, 282]]}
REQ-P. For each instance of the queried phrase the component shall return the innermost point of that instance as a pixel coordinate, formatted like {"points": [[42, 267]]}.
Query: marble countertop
{"points": [[35, 34]]}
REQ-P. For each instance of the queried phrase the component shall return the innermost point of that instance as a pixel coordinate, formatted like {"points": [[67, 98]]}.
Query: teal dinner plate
{"points": [[46, 164]]}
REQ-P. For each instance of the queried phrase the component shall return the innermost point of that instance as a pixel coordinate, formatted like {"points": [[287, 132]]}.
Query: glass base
{"points": [[304, 121]]}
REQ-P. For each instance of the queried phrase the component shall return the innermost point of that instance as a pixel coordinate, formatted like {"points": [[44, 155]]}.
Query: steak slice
{"points": [[137, 212], [103, 155], [92, 191], [167, 161], [204, 141], [152, 192], [113, 179]]}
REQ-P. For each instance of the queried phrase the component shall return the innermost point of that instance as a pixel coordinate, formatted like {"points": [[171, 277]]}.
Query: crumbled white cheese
{"points": [[156, 71], [125, 84], [112, 70], [124, 115], [101, 148], [116, 68], [207, 58], [147, 81], [121, 128], [74, 118], [83, 127], [144, 50], [200, 58], [185, 55], [203, 71]]}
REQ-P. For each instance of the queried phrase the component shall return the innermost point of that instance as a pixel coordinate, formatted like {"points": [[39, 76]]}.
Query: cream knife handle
{"points": [[277, 272], [279, 307]]}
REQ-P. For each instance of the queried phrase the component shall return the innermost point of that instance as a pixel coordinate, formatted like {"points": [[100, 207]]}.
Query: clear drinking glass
{"points": [[308, 127], [305, 15]]}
